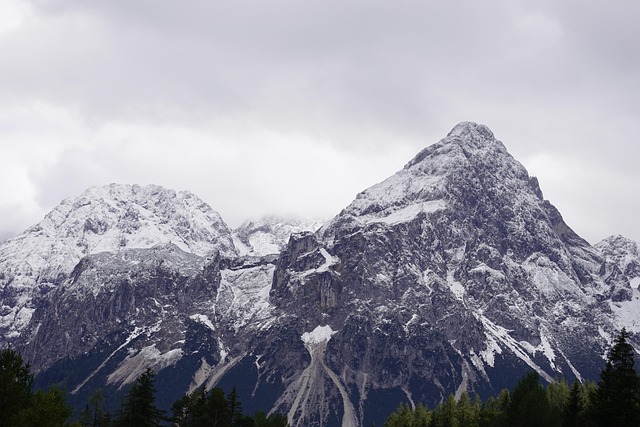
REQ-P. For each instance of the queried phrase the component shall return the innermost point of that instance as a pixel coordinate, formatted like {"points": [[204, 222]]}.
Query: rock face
{"points": [[623, 255], [454, 274], [103, 219], [270, 234]]}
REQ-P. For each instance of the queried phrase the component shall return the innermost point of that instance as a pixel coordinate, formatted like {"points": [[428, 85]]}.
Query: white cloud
{"points": [[14, 14], [294, 106]]}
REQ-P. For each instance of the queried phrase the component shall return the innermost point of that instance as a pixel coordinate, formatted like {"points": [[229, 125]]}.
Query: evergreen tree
{"points": [[529, 405], [235, 407], [401, 417], [444, 415], [138, 408], [15, 385], [421, 416], [558, 395], [617, 399], [573, 409], [188, 409], [274, 420], [489, 413], [467, 414], [49, 409], [217, 409], [94, 415]]}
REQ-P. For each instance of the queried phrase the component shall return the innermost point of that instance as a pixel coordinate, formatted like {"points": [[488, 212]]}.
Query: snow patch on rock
{"points": [[318, 335]]}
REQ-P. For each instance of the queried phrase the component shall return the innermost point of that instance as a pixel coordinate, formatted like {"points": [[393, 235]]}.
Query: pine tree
{"points": [[275, 420], [138, 409], [617, 399], [188, 409], [490, 413], [16, 380], [235, 407], [467, 414], [94, 415], [398, 417], [49, 409], [421, 416], [529, 405], [573, 408], [557, 395], [216, 409]]}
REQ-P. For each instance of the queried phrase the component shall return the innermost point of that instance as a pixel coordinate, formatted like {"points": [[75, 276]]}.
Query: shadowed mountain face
{"points": [[453, 274]]}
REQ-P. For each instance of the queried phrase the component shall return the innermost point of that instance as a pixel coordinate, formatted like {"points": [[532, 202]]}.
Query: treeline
{"points": [[613, 401], [20, 406]]}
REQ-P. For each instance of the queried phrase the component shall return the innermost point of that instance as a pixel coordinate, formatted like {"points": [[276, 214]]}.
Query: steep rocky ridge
{"points": [[453, 274], [269, 235], [623, 255], [102, 219]]}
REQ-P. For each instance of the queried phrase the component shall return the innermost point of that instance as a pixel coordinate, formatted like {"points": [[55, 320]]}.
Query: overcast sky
{"points": [[292, 106]]}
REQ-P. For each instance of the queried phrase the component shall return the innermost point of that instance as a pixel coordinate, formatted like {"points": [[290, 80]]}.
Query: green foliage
{"points": [[201, 408], [614, 401], [189, 408], [262, 420], [467, 413], [617, 398], [235, 407], [573, 408], [529, 404], [558, 396], [93, 414], [19, 406], [401, 417], [49, 409], [138, 408], [421, 416], [15, 385]]}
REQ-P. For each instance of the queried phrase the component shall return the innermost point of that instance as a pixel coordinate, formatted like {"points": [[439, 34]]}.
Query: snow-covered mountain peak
{"points": [[467, 163], [102, 219], [467, 138], [471, 130], [120, 216], [625, 254]]}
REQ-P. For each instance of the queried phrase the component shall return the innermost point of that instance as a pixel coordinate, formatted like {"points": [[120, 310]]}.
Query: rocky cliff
{"points": [[453, 274]]}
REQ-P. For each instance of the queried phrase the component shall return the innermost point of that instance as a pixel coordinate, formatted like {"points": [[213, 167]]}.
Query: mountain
{"points": [[624, 255], [102, 219], [4, 236], [453, 274], [269, 235]]}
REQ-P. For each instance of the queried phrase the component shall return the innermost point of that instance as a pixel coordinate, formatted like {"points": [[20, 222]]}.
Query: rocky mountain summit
{"points": [[624, 254], [102, 219], [453, 274]]}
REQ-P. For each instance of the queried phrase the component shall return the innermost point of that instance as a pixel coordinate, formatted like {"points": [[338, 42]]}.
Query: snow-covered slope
{"points": [[109, 218], [624, 255], [270, 234], [453, 274]]}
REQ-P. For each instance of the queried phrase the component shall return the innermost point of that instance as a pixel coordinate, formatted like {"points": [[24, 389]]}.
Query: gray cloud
{"points": [[350, 91]]}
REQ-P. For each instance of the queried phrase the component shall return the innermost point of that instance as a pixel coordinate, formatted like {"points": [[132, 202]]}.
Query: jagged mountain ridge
{"points": [[625, 254], [102, 219], [269, 235], [453, 274]]}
